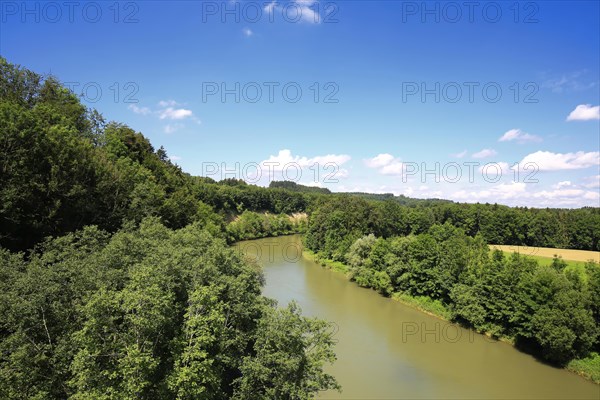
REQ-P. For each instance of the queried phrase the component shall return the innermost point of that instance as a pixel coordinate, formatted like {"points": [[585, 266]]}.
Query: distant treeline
{"points": [[295, 187], [401, 199], [63, 167], [340, 219]]}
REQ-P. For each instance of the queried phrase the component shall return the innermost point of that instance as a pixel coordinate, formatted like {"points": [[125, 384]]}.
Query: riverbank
{"points": [[424, 304], [588, 368], [379, 352]]}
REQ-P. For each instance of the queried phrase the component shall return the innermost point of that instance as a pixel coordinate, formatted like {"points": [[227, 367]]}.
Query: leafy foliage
{"points": [[551, 310], [116, 281], [293, 186], [252, 225], [282, 367], [150, 313]]}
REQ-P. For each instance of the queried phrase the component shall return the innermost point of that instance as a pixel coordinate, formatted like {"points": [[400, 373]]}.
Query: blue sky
{"points": [[388, 89]]}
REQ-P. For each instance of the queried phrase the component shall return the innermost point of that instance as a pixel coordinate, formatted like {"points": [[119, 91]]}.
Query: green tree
{"points": [[290, 352], [565, 329], [197, 372]]}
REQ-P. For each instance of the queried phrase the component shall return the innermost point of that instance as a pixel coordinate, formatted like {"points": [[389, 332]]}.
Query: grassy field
{"points": [[544, 255]]}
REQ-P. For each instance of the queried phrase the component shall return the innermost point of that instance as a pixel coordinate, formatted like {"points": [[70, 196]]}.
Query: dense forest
{"points": [[296, 187], [117, 279], [552, 311], [64, 167], [150, 313]]}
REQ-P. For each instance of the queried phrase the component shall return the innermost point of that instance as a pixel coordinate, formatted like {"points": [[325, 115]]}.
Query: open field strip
{"points": [[548, 252]]}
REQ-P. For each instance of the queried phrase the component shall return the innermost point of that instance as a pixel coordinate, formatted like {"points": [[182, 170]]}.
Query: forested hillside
{"points": [[64, 167], [297, 187], [138, 295]]}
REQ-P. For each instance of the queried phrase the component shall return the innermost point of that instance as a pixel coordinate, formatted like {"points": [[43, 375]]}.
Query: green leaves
{"points": [[290, 352], [252, 225], [564, 328], [552, 310], [198, 369], [148, 313]]}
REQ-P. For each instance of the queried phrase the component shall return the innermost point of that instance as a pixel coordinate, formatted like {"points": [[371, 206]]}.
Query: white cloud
{"points": [[592, 196], [395, 168], [175, 113], [308, 14], [300, 169], [491, 168], [166, 110], [312, 184], [572, 82], [484, 153], [548, 161], [342, 173], [174, 158], [584, 112], [270, 6], [592, 182], [167, 103], [139, 110], [386, 163], [379, 160], [501, 191], [519, 136], [558, 193], [337, 159], [562, 184], [248, 32], [459, 155], [517, 194], [300, 10], [285, 157], [172, 128]]}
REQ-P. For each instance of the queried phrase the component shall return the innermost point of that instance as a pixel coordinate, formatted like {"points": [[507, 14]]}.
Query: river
{"points": [[387, 350]]}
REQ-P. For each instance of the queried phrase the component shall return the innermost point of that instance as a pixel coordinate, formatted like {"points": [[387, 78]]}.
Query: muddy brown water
{"points": [[387, 350]]}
